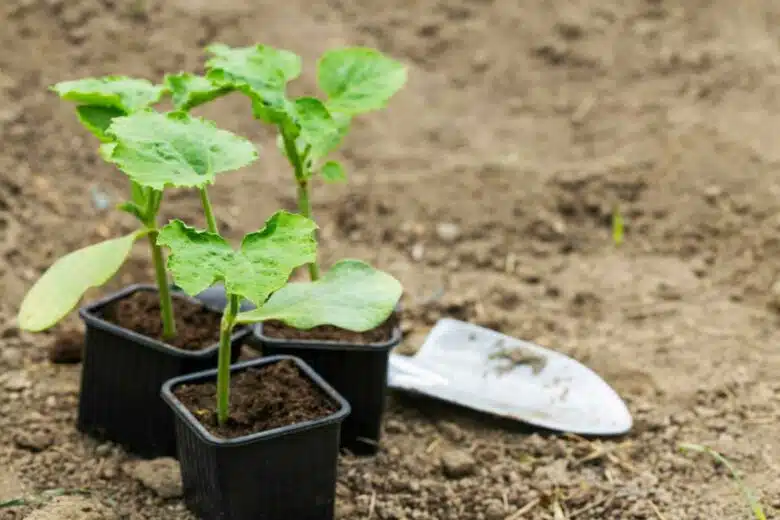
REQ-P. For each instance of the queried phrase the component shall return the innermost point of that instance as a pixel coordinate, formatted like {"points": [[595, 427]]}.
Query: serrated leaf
{"points": [[352, 295], [120, 92], [261, 266], [358, 79], [97, 119], [190, 90], [176, 149], [320, 131], [333, 171], [260, 71], [61, 287]]}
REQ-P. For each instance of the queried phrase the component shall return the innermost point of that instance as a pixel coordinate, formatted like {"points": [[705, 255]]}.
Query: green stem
{"points": [[301, 178], [304, 206], [211, 222], [166, 304], [223, 366]]}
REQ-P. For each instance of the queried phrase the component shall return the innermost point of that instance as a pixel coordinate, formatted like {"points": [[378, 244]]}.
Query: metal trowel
{"points": [[490, 372]]}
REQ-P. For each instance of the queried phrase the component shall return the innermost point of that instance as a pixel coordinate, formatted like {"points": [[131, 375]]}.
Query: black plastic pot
{"points": [[122, 373], [358, 372], [287, 473]]}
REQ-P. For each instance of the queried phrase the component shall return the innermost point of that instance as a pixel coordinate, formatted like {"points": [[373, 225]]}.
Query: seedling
{"points": [[355, 80], [352, 295], [755, 506], [618, 227], [155, 151]]}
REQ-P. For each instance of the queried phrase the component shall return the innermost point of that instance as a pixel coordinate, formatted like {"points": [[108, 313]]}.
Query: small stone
{"points": [[395, 427], [418, 250], [17, 381], [712, 193], [12, 357], [163, 476], [451, 430], [494, 510], [447, 232], [35, 441], [74, 508], [103, 450], [458, 464]]}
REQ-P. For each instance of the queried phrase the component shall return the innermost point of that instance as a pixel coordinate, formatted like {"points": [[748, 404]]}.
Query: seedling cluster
{"points": [[158, 150]]}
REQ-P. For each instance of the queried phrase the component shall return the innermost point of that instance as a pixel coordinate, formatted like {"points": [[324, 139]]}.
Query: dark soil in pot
{"points": [[276, 457], [126, 362], [354, 363], [262, 399], [378, 335], [197, 326]]}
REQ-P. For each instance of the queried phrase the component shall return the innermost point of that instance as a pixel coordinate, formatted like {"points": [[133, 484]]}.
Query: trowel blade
{"points": [[485, 370]]}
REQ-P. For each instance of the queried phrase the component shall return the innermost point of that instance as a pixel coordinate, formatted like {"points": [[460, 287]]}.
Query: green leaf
{"points": [[352, 295], [176, 149], [190, 90], [333, 171], [263, 264], [260, 71], [320, 131], [139, 194], [97, 119], [133, 209], [358, 79], [120, 92], [61, 287]]}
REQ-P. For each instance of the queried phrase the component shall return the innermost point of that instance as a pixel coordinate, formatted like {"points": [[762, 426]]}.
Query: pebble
{"points": [[74, 508], [12, 357], [163, 476], [394, 427], [494, 510], [103, 450], [451, 430], [712, 193], [34, 441], [447, 232], [17, 381], [458, 464], [418, 250]]}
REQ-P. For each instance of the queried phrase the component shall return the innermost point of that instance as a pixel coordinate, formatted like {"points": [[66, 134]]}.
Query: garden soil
{"points": [[487, 188]]}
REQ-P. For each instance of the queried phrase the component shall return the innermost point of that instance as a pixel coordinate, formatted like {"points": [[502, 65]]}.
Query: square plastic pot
{"points": [[122, 373], [358, 372], [287, 473]]}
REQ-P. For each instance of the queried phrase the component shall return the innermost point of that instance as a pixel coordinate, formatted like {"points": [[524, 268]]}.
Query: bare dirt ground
{"points": [[523, 124]]}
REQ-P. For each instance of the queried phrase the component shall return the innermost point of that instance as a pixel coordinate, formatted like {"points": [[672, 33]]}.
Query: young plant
{"points": [[155, 151], [99, 101], [352, 295], [354, 80]]}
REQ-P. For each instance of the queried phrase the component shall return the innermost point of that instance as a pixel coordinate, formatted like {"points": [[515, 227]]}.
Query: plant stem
{"points": [[302, 180], [211, 222], [223, 366], [166, 304], [304, 206]]}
